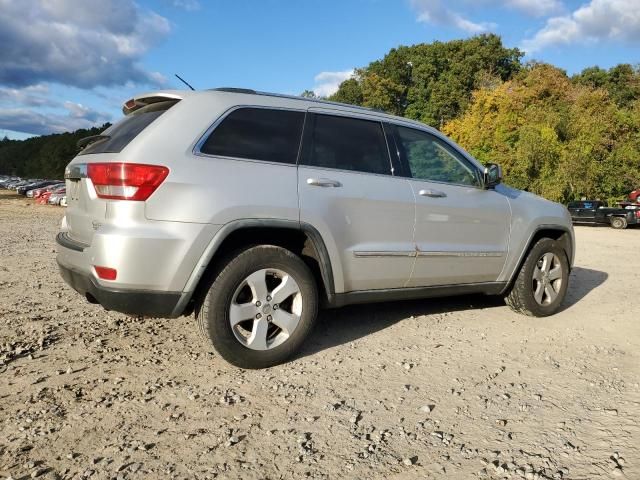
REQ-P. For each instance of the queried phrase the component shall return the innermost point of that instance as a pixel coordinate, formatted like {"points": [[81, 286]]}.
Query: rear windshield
{"points": [[118, 135]]}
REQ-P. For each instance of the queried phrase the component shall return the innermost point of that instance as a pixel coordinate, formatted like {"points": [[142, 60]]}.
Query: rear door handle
{"points": [[323, 182], [431, 193]]}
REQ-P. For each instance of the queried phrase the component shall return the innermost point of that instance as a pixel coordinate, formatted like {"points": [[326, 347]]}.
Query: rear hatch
{"points": [[86, 199]]}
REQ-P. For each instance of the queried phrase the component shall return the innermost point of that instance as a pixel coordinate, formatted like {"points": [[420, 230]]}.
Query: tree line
{"points": [[563, 137], [42, 157]]}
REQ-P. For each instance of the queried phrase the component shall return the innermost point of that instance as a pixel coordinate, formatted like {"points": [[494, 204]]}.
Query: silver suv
{"points": [[252, 210]]}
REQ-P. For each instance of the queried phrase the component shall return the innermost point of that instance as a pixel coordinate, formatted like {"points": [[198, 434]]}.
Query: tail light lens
{"points": [[638, 214], [106, 273], [126, 181]]}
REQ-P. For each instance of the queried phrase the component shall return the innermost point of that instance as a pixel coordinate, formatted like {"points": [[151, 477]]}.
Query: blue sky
{"points": [[72, 64]]}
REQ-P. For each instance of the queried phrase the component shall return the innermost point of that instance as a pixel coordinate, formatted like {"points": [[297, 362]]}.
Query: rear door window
{"points": [[347, 144], [120, 134], [257, 134]]}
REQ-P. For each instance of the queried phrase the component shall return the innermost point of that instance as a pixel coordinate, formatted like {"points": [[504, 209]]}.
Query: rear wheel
{"points": [[542, 281], [618, 222], [260, 307]]}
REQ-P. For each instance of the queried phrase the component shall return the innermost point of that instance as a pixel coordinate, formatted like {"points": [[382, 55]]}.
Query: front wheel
{"points": [[542, 281], [260, 307], [618, 222]]}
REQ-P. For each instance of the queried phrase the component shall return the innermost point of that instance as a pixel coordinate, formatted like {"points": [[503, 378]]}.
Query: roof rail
{"points": [[295, 97], [234, 90]]}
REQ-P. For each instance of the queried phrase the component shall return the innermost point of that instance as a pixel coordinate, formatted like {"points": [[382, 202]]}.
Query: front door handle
{"points": [[432, 193], [323, 182]]}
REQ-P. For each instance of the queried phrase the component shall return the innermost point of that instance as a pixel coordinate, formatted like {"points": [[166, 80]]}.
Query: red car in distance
{"points": [[39, 191], [43, 199]]}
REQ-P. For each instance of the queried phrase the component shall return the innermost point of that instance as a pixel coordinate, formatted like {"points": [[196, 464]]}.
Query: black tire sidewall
{"points": [[623, 222], [217, 325], [543, 246]]}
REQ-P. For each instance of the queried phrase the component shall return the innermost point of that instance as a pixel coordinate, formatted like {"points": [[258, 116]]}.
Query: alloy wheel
{"points": [[265, 309]]}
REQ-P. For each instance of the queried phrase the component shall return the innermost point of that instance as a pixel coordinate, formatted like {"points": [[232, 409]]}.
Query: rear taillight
{"points": [[638, 214], [126, 181]]}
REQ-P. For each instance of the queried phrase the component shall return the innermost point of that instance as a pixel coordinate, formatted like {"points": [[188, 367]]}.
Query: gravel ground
{"points": [[455, 388]]}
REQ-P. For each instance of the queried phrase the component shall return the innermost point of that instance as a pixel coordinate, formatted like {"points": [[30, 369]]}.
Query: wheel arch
{"points": [[559, 233], [301, 238]]}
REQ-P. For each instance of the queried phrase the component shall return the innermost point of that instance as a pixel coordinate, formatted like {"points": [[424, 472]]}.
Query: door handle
{"points": [[432, 193], [323, 182]]}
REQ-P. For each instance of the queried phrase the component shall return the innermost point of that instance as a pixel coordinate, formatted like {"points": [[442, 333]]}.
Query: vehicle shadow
{"points": [[343, 325], [581, 282]]}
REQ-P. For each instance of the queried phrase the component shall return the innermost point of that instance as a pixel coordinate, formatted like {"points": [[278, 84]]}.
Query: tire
{"points": [[618, 223], [243, 288], [533, 290]]}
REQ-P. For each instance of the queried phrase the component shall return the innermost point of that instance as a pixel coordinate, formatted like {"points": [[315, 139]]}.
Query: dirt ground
{"points": [[453, 388]]}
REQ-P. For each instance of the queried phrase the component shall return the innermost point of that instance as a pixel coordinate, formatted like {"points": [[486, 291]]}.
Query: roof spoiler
{"points": [[136, 103]]}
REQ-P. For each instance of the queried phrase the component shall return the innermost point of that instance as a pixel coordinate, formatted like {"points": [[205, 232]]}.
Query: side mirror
{"points": [[492, 175]]}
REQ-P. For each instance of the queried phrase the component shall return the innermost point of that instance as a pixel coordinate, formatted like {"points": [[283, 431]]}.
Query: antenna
{"points": [[184, 81]]}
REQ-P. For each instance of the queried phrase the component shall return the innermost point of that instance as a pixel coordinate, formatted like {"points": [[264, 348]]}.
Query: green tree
{"points": [[433, 82], [42, 157], [553, 136], [622, 82]]}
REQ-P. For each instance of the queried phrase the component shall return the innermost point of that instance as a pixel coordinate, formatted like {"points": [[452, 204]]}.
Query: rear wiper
{"points": [[83, 142]]}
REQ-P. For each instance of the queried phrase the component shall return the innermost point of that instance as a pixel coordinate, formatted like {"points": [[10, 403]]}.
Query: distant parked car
{"points": [[5, 181], [42, 183], [39, 191], [44, 198], [14, 185], [63, 201], [56, 196]]}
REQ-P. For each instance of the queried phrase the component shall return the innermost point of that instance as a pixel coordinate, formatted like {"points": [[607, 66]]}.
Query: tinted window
{"points": [[118, 135], [347, 144], [432, 159], [258, 134]]}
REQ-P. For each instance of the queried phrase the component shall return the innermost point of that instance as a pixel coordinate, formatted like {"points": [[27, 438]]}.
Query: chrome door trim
{"points": [[460, 254], [385, 254], [417, 253]]}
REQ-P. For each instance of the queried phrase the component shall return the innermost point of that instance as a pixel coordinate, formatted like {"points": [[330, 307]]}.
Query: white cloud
{"points": [[188, 5], [327, 83], [599, 20], [33, 96], [31, 110], [43, 123], [434, 11], [80, 43], [536, 8]]}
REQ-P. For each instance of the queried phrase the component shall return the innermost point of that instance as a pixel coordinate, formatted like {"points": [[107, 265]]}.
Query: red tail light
{"points": [[638, 214], [126, 181], [106, 273]]}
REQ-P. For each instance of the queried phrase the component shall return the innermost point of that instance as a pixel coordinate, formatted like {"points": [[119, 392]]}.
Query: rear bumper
{"points": [[132, 302]]}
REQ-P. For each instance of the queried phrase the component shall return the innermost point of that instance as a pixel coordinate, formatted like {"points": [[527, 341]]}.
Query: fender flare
{"points": [[523, 255], [312, 233]]}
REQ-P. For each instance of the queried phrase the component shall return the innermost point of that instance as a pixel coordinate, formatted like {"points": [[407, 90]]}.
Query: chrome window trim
{"points": [[197, 149]]}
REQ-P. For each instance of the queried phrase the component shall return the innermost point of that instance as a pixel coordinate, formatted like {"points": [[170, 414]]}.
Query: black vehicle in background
{"points": [[32, 186], [597, 212]]}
